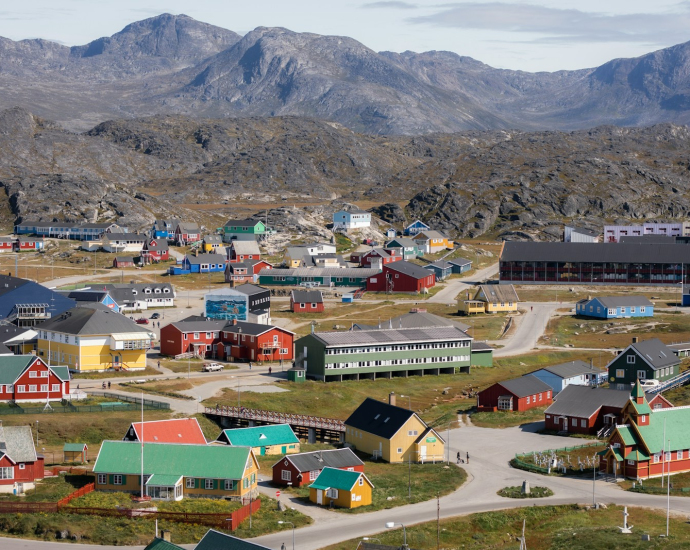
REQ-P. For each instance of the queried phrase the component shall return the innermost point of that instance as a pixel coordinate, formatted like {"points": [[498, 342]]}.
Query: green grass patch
{"points": [[343, 244], [546, 528], [516, 492], [166, 388], [115, 374], [51, 489], [680, 485], [507, 419]]}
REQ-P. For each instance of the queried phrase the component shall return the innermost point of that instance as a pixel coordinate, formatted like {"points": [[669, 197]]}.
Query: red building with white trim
{"points": [[518, 394], [377, 257], [20, 466], [306, 301], [401, 277], [26, 378], [155, 250], [303, 468], [243, 251], [195, 335]]}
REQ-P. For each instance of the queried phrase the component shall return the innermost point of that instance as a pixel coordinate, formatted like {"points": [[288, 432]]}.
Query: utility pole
{"points": [[438, 523]]}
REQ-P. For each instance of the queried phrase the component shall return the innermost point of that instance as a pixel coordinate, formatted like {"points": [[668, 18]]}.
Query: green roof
{"points": [[637, 390], [11, 367], [160, 544], [164, 480], [617, 453], [261, 436], [677, 422], [642, 408], [628, 435], [332, 478], [637, 456], [209, 461], [61, 372], [73, 447], [213, 540]]}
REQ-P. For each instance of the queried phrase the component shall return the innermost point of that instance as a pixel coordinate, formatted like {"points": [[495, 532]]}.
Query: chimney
{"points": [[635, 339], [165, 535], [234, 322], [391, 398]]}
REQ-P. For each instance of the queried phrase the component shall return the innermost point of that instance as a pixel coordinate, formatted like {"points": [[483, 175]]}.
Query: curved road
{"points": [[530, 327]]}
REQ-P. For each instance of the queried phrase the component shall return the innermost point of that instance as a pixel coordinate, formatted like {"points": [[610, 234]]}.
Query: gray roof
{"points": [[525, 385], [584, 401], [187, 226], [499, 293], [242, 223], [624, 301], [208, 325], [304, 296], [481, 346], [89, 320], [131, 237], [125, 292], [584, 231], [215, 540], [571, 369], [253, 329], [124, 259], [206, 259], [429, 234], [405, 242], [213, 239], [656, 353], [250, 289], [160, 245], [415, 319], [357, 272], [379, 418], [459, 261], [86, 295], [18, 443], [317, 460], [440, 264], [515, 251], [245, 247], [647, 239], [410, 269], [388, 336]]}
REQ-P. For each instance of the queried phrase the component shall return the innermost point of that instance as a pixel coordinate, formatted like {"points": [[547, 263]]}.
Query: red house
{"points": [[193, 335], [174, 430], [155, 250], [401, 277], [26, 378], [6, 244], [518, 394], [238, 273], [28, 243], [242, 251], [377, 257], [303, 468], [186, 233], [306, 301], [20, 466], [255, 342], [123, 261], [588, 410]]}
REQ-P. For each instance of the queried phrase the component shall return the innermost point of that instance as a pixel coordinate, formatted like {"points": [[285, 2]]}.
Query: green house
{"points": [[317, 276], [407, 247], [384, 353], [296, 374], [239, 228], [646, 360], [271, 439]]}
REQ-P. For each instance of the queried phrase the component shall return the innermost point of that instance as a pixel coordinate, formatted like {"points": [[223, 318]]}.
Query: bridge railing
{"points": [[273, 417]]}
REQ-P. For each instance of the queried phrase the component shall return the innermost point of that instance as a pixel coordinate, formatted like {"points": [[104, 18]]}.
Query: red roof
{"points": [[178, 430]]}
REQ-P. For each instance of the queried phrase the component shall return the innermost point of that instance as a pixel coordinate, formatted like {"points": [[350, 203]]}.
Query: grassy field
{"points": [[679, 396], [182, 366], [391, 482], [592, 333], [661, 296], [547, 528], [516, 492], [167, 388], [51, 489], [115, 374], [678, 483], [507, 419], [116, 531], [339, 399]]}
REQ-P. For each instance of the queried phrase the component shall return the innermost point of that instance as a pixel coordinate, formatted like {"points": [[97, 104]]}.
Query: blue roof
{"points": [[15, 291]]}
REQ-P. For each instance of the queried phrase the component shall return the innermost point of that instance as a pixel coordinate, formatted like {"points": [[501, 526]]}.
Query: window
{"points": [[102, 479], [229, 484], [528, 399], [641, 309], [21, 389], [583, 423], [189, 483], [117, 479], [540, 397], [632, 310], [7, 473], [196, 335], [22, 466], [412, 432], [399, 450], [44, 388], [314, 474], [208, 484], [631, 359], [33, 388], [631, 462], [361, 481], [286, 475], [332, 493], [620, 373], [668, 457], [679, 455], [33, 374], [641, 374]]}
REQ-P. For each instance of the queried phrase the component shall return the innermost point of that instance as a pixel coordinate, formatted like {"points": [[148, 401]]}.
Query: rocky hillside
{"points": [[176, 65], [503, 184]]}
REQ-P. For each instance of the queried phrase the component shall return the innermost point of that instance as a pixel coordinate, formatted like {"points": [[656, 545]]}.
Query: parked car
{"points": [[649, 383], [212, 367], [142, 321], [156, 316]]}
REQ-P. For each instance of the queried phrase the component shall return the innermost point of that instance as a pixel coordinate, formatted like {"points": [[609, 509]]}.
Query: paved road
{"points": [[529, 328], [455, 286]]}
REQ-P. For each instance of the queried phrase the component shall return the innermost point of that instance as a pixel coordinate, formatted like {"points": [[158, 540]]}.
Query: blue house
{"points": [[415, 227], [615, 307], [686, 295], [203, 263], [391, 233], [574, 372], [164, 229], [26, 303], [460, 265], [94, 295], [441, 268]]}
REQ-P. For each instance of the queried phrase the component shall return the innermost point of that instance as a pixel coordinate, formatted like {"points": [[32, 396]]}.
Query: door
{"points": [[283, 449], [319, 496], [263, 451], [422, 452], [565, 423]]}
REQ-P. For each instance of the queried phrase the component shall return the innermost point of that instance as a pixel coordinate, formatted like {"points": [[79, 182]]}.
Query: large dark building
{"points": [[594, 263]]}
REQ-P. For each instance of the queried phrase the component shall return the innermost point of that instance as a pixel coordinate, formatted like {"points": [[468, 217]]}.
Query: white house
{"points": [[352, 219]]}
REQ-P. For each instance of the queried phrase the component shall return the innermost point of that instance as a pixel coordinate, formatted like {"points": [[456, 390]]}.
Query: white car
{"points": [[649, 383], [212, 367]]}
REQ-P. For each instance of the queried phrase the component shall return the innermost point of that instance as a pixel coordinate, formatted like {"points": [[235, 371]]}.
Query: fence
{"points": [[521, 464], [238, 516], [85, 490], [28, 507], [148, 403]]}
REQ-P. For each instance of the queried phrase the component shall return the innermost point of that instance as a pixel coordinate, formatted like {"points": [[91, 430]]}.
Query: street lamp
{"points": [[391, 525], [293, 531], [36, 433]]}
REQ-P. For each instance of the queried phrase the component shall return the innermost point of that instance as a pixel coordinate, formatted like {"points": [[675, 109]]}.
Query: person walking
{"points": [[468, 458], [108, 385], [250, 365], [458, 457], [269, 370]]}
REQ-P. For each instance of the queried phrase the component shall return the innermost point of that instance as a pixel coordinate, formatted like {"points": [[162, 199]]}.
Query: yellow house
{"points": [[497, 298], [173, 471], [93, 338], [468, 307], [343, 488], [213, 243], [392, 433], [432, 241]]}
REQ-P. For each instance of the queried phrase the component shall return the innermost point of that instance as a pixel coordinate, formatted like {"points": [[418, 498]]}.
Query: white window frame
{"points": [[189, 483], [102, 479], [228, 484], [286, 475], [208, 482], [631, 359], [7, 473], [117, 479]]}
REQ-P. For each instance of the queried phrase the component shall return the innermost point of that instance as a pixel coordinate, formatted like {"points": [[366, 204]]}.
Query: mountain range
{"points": [[176, 65]]}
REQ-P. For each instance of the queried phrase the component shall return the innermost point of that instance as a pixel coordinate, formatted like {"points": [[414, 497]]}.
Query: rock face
{"points": [[176, 65], [511, 185]]}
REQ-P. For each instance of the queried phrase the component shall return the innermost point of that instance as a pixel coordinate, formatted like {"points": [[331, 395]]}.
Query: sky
{"points": [[530, 35]]}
